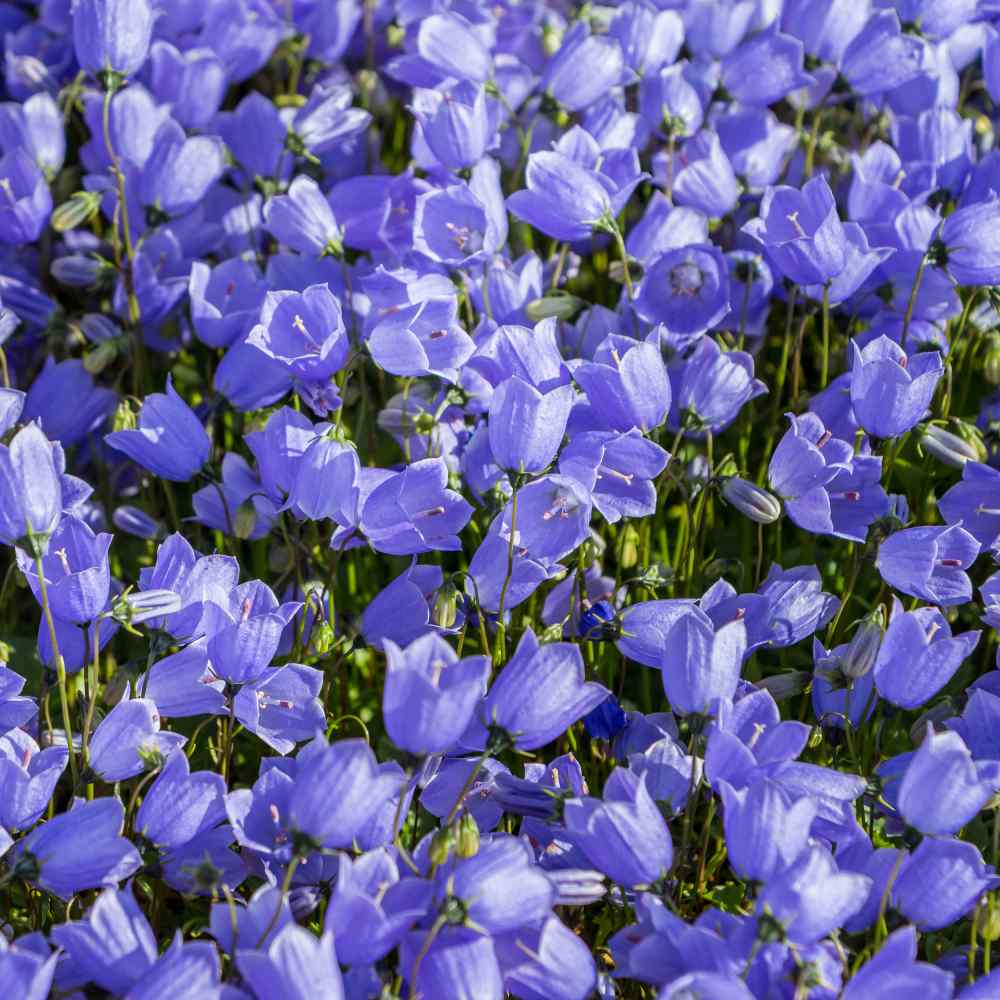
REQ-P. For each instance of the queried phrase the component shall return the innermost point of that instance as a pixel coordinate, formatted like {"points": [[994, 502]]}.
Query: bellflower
{"points": [[430, 694], [30, 487], [712, 386], [929, 562], [170, 440], [919, 655], [700, 664], [891, 391], [801, 232], [540, 692], [112, 36], [79, 849], [687, 289]]}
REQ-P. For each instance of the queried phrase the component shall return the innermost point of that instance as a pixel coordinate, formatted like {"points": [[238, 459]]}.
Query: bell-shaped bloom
{"points": [[129, 740], [402, 610], [686, 289], [974, 503], [31, 494], [552, 518], [15, 709], [801, 232], [237, 505], [623, 834], [971, 245], [806, 459], [114, 946], [180, 170], [458, 124], [429, 694], [812, 897], [296, 964], [699, 664], [179, 805], [282, 705], [765, 829], [371, 908], [703, 178], [712, 386], [462, 223], [617, 469], [170, 440], [541, 692], [890, 390], [929, 562], [26, 204], [546, 962], [881, 57], [585, 67], [460, 962], [28, 778], [46, 401], [919, 655], [526, 425], [225, 300], [764, 69], [895, 967], [303, 220], [626, 383], [326, 482], [76, 571], [422, 339], [943, 788], [246, 631], [564, 199], [79, 849], [940, 882], [304, 331], [112, 36], [413, 511], [338, 788]]}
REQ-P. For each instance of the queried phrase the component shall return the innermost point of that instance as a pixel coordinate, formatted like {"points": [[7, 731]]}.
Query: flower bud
{"points": [[100, 357], [991, 367], [629, 551], [81, 207], [859, 657], [787, 684], [441, 844], [124, 419], [134, 521], [467, 838], [561, 306], [445, 606], [246, 519], [78, 271], [751, 500], [952, 449], [138, 607]]}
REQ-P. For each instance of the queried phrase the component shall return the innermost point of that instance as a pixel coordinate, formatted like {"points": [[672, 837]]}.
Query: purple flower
{"points": [[429, 694], [295, 964], [970, 237], [943, 788], [711, 386], [129, 741], [422, 339], [940, 882], [890, 390], [974, 503], [540, 693], [46, 402], [170, 440], [79, 849], [930, 563], [526, 425], [919, 655], [700, 664], [766, 830], [30, 487], [303, 220], [686, 289], [304, 331], [112, 36], [623, 834]]}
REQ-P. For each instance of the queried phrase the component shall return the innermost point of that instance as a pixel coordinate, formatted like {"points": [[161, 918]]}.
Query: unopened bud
{"points": [[136, 608], [629, 552], [445, 610], [467, 839], [787, 684], [751, 500], [991, 367], [859, 657], [95, 361], [124, 418], [952, 449], [81, 207], [441, 845], [560, 306], [246, 519]]}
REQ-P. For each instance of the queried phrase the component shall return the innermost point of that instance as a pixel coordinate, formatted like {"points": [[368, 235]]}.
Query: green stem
{"points": [[57, 659], [912, 301], [825, 360], [286, 884]]}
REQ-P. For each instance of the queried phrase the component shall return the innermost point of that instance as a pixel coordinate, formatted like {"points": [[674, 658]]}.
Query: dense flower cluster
{"points": [[553, 458]]}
